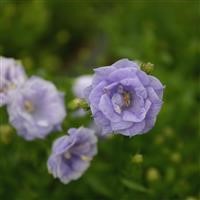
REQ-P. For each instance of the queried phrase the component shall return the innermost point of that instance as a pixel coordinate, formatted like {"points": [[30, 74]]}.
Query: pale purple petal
{"points": [[80, 84], [106, 107]]}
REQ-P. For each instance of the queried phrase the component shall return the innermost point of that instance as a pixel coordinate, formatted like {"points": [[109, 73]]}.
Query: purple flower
{"points": [[12, 75], [36, 109], [72, 154], [80, 84], [123, 99]]}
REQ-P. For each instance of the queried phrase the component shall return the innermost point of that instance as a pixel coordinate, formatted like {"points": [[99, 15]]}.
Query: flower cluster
{"points": [[34, 105], [122, 98]]}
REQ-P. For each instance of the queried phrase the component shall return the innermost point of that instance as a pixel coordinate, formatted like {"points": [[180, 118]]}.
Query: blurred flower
{"points": [[12, 75], [153, 174], [80, 84], [137, 158], [123, 99], [5, 133], [71, 154], [36, 109]]}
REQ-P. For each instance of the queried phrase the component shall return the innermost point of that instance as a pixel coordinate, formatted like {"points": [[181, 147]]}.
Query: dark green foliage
{"points": [[60, 40]]}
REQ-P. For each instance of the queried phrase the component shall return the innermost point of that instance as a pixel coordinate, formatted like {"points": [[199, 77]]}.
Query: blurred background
{"points": [[60, 40]]}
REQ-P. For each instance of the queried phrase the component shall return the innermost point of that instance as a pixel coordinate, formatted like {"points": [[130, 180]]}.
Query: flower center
{"points": [[67, 155], [2, 90], [7, 87], [28, 106], [126, 98], [121, 99]]}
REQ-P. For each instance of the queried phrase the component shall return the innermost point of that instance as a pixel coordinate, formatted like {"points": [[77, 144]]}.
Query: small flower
{"points": [[36, 109], [12, 75], [72, 154], [123, 99], [80, 84]]}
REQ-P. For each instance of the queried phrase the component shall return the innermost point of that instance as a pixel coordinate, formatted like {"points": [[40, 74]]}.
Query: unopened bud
{"points": [[5, 133], [153, 174], [137, 158], [147, 67], [78, 103]]}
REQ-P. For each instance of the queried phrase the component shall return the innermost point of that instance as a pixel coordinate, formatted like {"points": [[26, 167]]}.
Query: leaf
{"points": [[134, 186]]}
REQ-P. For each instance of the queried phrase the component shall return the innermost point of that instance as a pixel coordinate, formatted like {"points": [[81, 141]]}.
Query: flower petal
{"points": [[122, 73], [117, 126], [124, 63], [96, 94], [106, 108], [135, 129]]}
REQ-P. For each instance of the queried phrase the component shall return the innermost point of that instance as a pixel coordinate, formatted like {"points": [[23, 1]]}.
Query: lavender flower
{"points": [[72, 154], [12, 75], [123, 99], [36, 109], [80, 84]]}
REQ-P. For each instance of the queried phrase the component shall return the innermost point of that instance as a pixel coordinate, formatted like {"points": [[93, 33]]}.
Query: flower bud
{"points": [[153, 175], [5, 133], [137, 158]]}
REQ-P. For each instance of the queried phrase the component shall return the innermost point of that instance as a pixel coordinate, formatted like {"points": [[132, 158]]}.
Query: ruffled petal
{"points": [[122, 73], [96, 94], [135, 129], [124, 63], [117, 126], [106, 108]]}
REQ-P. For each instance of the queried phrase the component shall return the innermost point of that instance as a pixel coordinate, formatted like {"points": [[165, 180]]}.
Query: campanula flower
{"points": [[36, 109], [80, 84], [12, 75], [78, 88], [71, 154], [124, 99]]}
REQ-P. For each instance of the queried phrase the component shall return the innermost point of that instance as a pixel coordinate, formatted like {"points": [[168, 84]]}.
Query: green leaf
{"points": [[134, 186]]}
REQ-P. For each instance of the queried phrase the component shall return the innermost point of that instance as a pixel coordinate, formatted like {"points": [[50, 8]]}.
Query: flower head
{"points": [[12, 75], [36, 109], [80, 84], [71, 154], [124, 99]]}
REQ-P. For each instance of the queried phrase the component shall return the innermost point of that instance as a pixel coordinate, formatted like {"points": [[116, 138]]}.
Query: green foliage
{"points": [[59, 40]]}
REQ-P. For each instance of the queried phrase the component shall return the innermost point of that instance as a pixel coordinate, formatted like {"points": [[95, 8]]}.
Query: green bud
{"points": [[153, 174], [5, 133], [78, 103], [137, 158], [147, 67], [176, 157]]}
